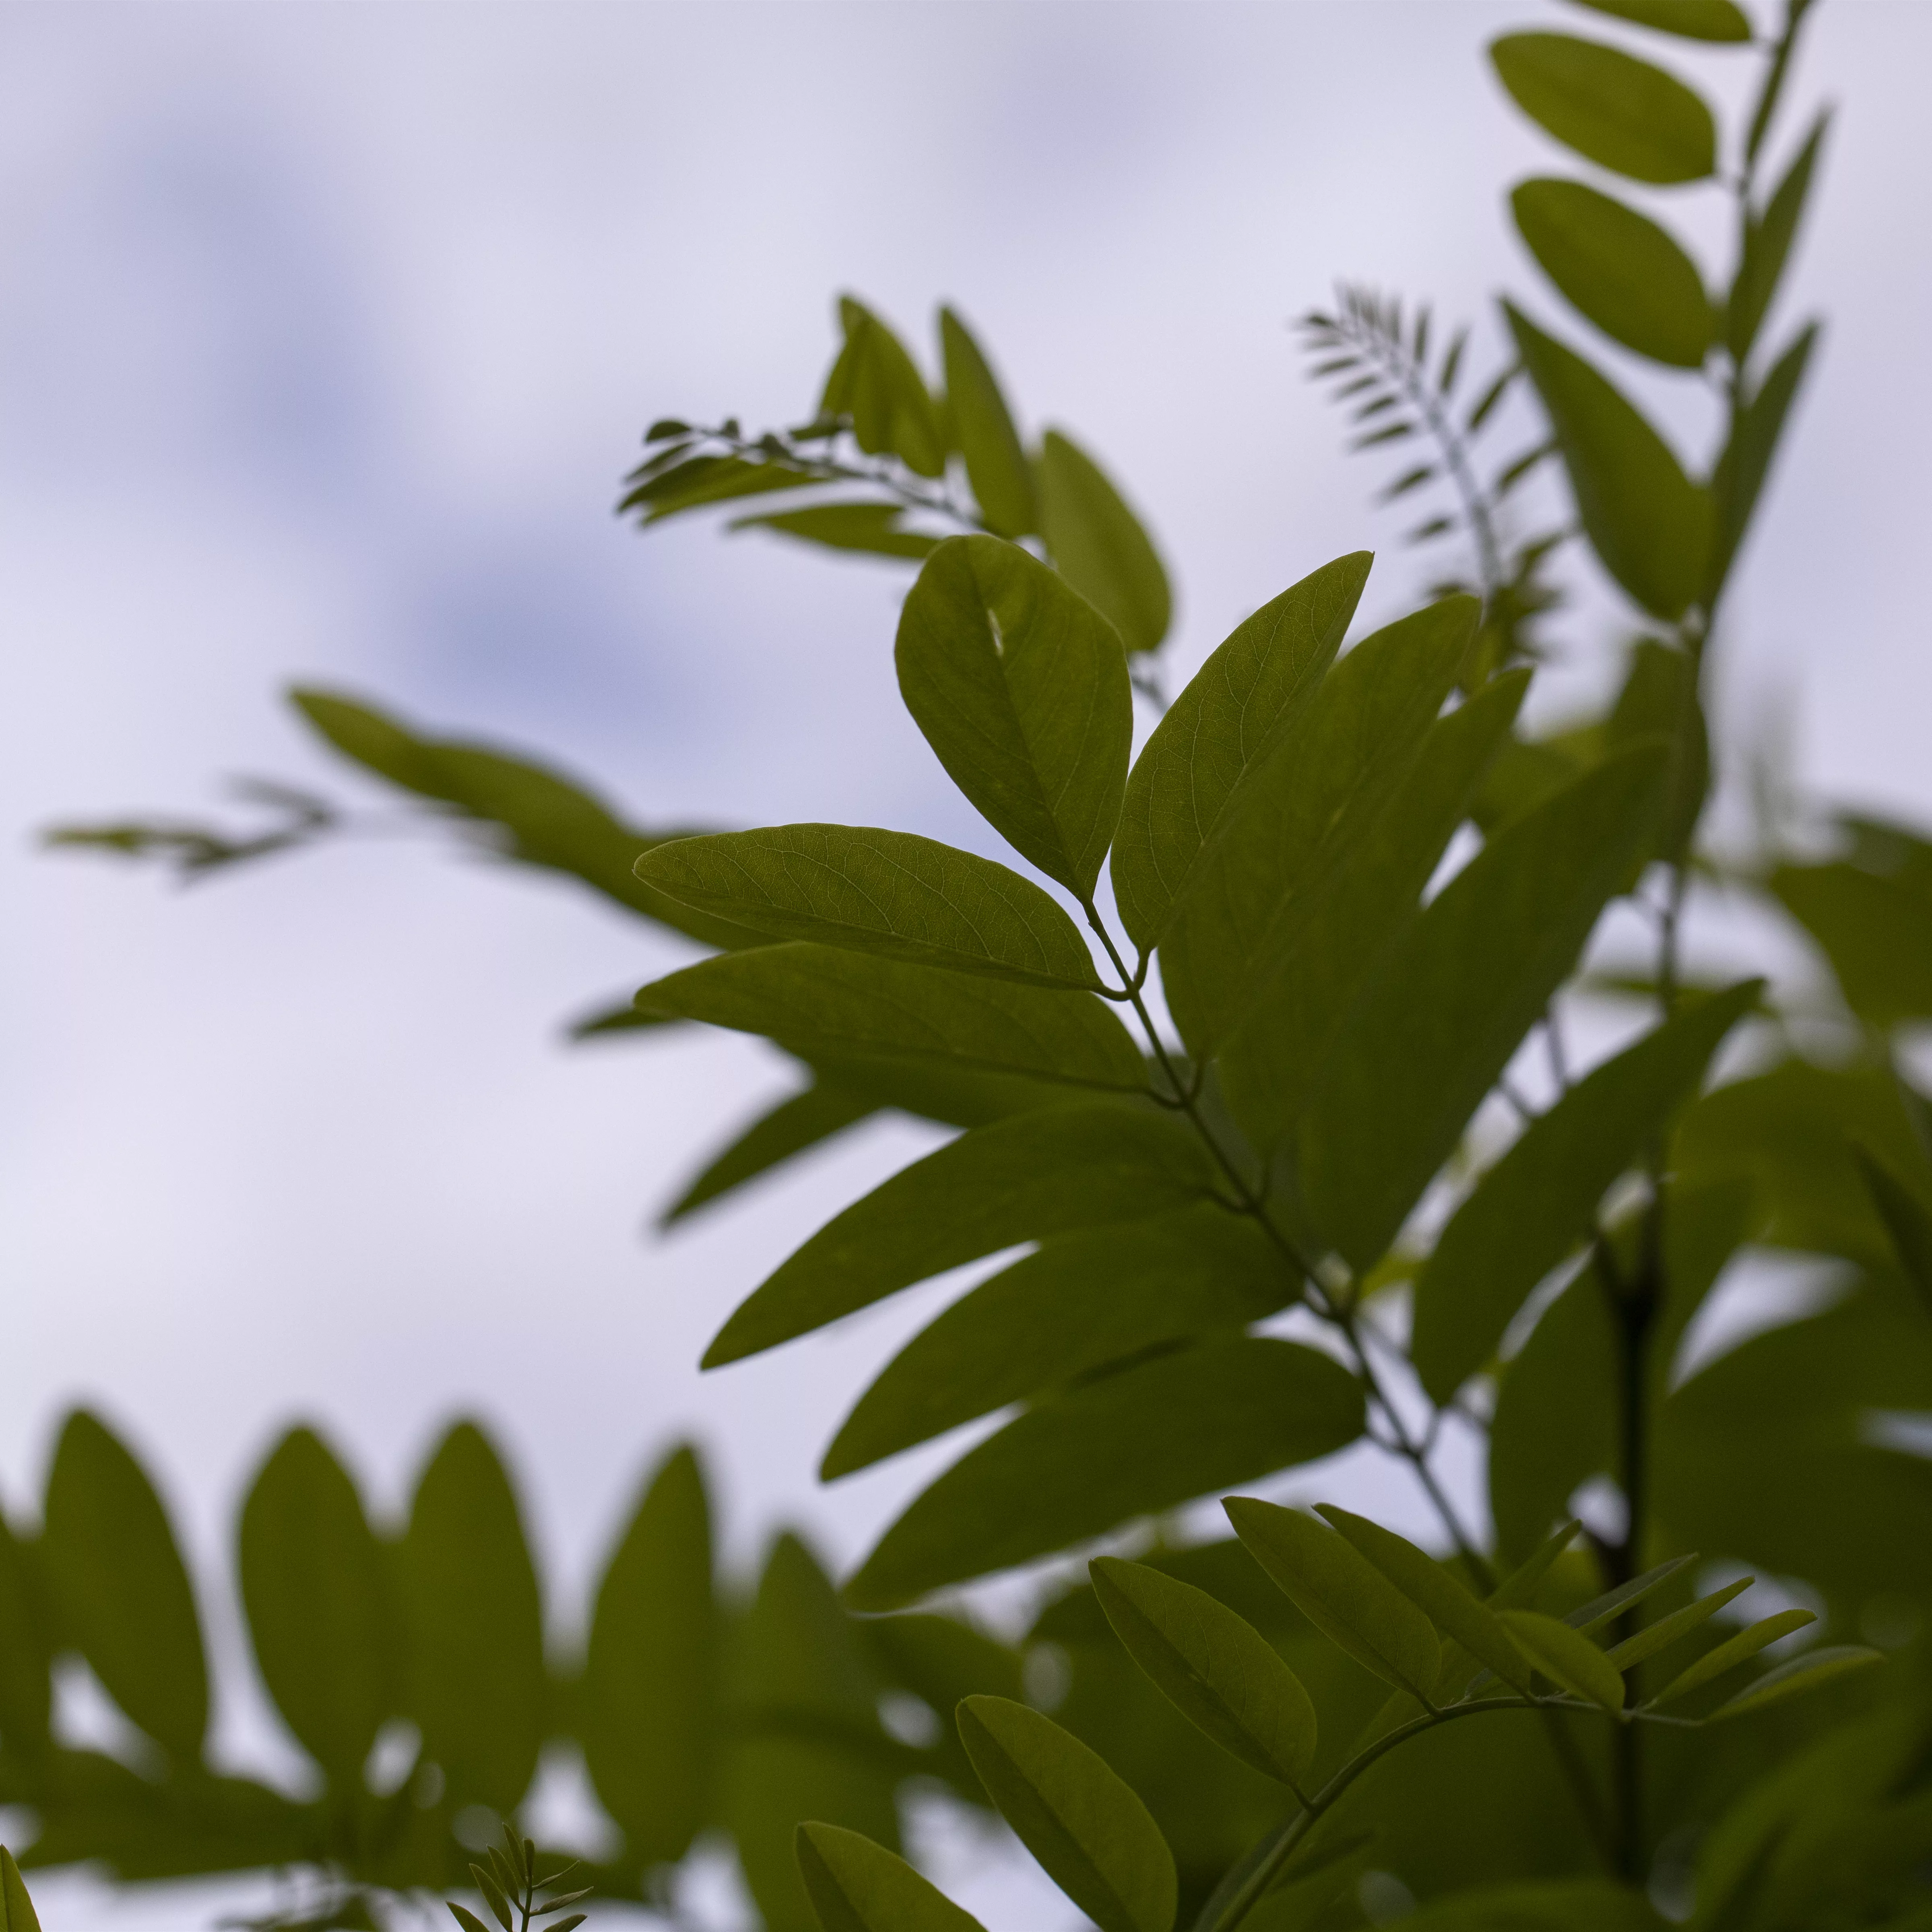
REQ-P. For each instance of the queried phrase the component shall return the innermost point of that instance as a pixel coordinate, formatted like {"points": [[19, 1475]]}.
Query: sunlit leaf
{"points": [[1619, 112], [1100, 546]]}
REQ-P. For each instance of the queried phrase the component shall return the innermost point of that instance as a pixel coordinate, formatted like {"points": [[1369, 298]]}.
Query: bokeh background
{"points": [[325, 333]]}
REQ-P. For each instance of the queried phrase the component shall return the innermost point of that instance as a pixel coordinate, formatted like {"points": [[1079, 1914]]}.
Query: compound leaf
{"points": [[857, 1886], [1732, 1652], [1660, 1635], [1100, 546], [1619, 112], [1091, 1835]]}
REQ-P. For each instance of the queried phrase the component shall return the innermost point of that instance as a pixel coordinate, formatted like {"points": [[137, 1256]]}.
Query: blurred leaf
{"points": [[1621, 112], [1302, 816], [1742, 469], [1541, 1905], [803, 1120], [1649, 524], [1091, 1835], [1099, 545], [818, 999], [1226, 1410], [1364, 909], [857, 1886], [876, 383], [1695, 19], [122, 1590], [939, 1659], [1187, 783], [1660, 700], [1213, 1666], [477, 1688], [1021, 688], [1905, 1215], [701, 481], [1876, 931], [810, 1747], [1341, 1593], [996, 462], [1626, 274], [1082, 1165], [874, 528], [647, 1714], [1538, 1202], [1807, 1672], [892, 892], [1566, 1657], [26, 1690], [1732, 1652], [1767, 246], [1082, 1302], [1435, 1030], [316, 1590]]}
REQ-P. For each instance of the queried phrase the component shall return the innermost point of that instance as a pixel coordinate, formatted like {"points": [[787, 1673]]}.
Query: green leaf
{"points": [[821, 1001], [315, 1587], [1767, 247], [873, 528], [1905, 1215], [1434, 1032], [1048, 1172], [807, 1742], [121, 1588], [1621, 112], [1213, 1666], [1649, 524], [1021, 688], [525, 812], [1100, 546], [1341, 1593], [647, 1714], [1566, 1657], [1660, 700], [1434, 1591], [1626, 274], [1666, 1631], [701, 481], [1539, 1905], [1875, 931], [477, 1689], [1187, 782], [1230, 1409], [1538, 1202], [804, 1120], [1269, 1064], [996, 462], [1694, 19], [891, 892], [1798, 1673], [857, 1886], [1083, 1301], [1732, 1652], [1517, 1591], [1301, 816], [26, 1660], [876, 383], [17, 1909], [1745, 464], [1091, 1835]]}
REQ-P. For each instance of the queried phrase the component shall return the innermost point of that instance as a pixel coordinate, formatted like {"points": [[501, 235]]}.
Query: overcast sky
{"points": [[326, 332]]}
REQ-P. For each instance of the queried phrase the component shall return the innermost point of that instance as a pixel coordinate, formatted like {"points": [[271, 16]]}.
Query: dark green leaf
{"points": [[1694, 19], [1649, 524], [1666, 1631], [874, 528], [1907, 1217], [1099, 545], [1082, 1302], [494, 1897], [1745, 463], [1539, 1905], [26, 1691], [315, 1586], [996, 464], [1619, 112], [701, 481], [1732, 1652], [877, 384], [120, 1587], [1214, 1666], [1434, 1032], [467, 1919], [1303, 813], [1767, 247], [476, 1687], [1434, 1591], [1798, 1673], [878, 891], [17, 1909], [1877, 931], [805, 1120], [647, 1713], [1021, 688], [1187, 782], [1565, 1656], [1091, 1835], [1341, 1593], [857, 1886], [821, 1001], [1228, 1410], [1660, 700], [1619, 268], [1048, 1172], [1269, 1064], [1535, 1206]]}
